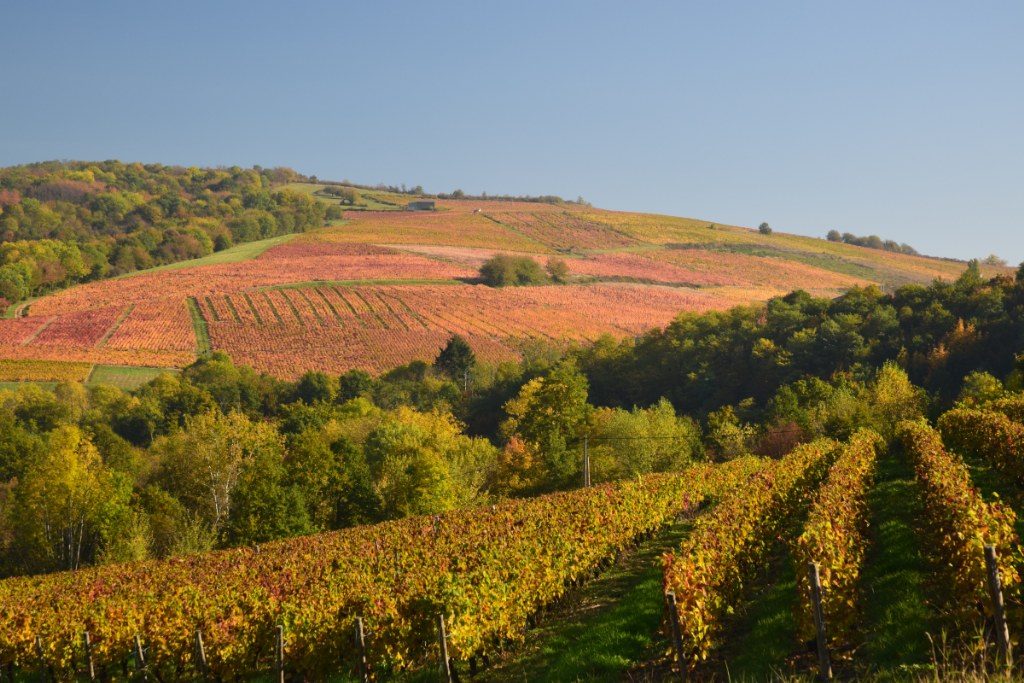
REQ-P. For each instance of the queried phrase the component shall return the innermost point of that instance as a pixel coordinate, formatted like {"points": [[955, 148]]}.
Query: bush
{"points": [[503, 270], [764, 229]]}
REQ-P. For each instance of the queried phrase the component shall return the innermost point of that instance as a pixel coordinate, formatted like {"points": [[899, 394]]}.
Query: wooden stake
{"points": [[824, 661], [44, 668], [279, 675], [90, 670], [586, 460], [362, 669], [995, 590], [673, 623], [445, 664], [140, 658], [200, 653]]}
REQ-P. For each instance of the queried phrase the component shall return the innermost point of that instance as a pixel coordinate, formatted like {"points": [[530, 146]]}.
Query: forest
{"points": [[221, 456], [67, 222]]}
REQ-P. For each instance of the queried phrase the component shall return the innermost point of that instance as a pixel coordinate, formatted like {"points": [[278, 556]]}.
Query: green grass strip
{"points": [[896, 611], [231, 307], [203, 345], [334, 311], [295, 310], [252, 307], [765, 634], [309, 302], [609, 627], [273, 308]]}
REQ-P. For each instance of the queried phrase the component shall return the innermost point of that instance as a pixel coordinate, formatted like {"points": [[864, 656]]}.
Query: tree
{"points": [[315, 387], [423, 464], [995, 260], [204, 463], [456, 359], [66, 504], [764, 229], [627, 443], [558, 270], [353, 384], [979, 388], [549, 416], [834, 236], [726, 436]]}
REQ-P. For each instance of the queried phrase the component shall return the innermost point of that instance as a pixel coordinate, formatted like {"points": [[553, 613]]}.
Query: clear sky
{"points": [[903, 119]]}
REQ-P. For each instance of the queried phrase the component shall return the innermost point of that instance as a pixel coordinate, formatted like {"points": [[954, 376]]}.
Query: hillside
{"points": [[382, 287]]}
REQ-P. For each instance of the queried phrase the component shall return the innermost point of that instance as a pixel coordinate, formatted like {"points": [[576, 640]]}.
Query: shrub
{"points": [[503, 270]]}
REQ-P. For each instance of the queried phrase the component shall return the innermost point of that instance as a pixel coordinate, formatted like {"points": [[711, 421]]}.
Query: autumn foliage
{"points": [[834, 536], [958, 523], [487, 569]]}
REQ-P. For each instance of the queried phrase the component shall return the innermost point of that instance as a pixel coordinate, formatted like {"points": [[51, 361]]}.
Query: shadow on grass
{"points": [[604, 629], [765, 638], [897, 616]]}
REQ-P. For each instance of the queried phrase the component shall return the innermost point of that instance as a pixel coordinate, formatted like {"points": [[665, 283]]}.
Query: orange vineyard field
{"points": [[388, 287]]}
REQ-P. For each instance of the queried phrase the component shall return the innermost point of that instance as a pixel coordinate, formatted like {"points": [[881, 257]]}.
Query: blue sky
{"points": [[904, 119]]}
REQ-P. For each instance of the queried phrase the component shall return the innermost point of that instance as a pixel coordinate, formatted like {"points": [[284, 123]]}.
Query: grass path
{"points": [[604, 629], [203, 345], [897, 615], [761, 645]]}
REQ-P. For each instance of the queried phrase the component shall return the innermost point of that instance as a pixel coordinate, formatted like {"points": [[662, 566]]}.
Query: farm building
{"points": [[422, 205]]}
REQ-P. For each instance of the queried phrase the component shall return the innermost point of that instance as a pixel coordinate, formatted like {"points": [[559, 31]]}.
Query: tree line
{"points": [[68, 222], [871, 242]]}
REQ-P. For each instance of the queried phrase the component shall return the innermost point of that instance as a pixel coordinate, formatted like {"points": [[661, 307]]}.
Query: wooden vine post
{"points": [[140, 658], [995, 590], [824, 661], [279, 652], [90, 669], [201, 665], [674, 628], [586, 460], [362, 669], [44, 669], [447, 675]]}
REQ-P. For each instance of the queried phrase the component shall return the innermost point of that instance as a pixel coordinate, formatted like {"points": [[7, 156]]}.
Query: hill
{"points": [[382, 286]]}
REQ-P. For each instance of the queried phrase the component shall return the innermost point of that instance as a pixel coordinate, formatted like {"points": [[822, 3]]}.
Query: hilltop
{"points": [[378, 286]]}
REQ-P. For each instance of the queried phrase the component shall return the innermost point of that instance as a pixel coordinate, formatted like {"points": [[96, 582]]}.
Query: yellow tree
{"points": [[61, 506]]}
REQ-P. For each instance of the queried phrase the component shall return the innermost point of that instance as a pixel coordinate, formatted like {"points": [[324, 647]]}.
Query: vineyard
{"points": [[486, 572], [384, 288]]}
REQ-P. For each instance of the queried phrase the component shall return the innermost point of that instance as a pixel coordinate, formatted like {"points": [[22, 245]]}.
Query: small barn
{"points": [[421, 205]]}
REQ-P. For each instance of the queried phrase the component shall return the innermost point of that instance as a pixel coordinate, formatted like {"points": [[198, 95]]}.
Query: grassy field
{"points": [[125, 376], [235, 254], [122, 376], [608, 628]]}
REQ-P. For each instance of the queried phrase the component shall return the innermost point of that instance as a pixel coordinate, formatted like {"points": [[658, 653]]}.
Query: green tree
{"points": [[558, 270], [627, 443], [502, 270], [456, 359], [353, 384], [315, 387], [66, 505], [548, 416], [423, 464], [204, 463]]}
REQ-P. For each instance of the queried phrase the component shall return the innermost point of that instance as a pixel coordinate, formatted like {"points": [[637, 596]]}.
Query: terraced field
{"points": [[389, 287]]}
